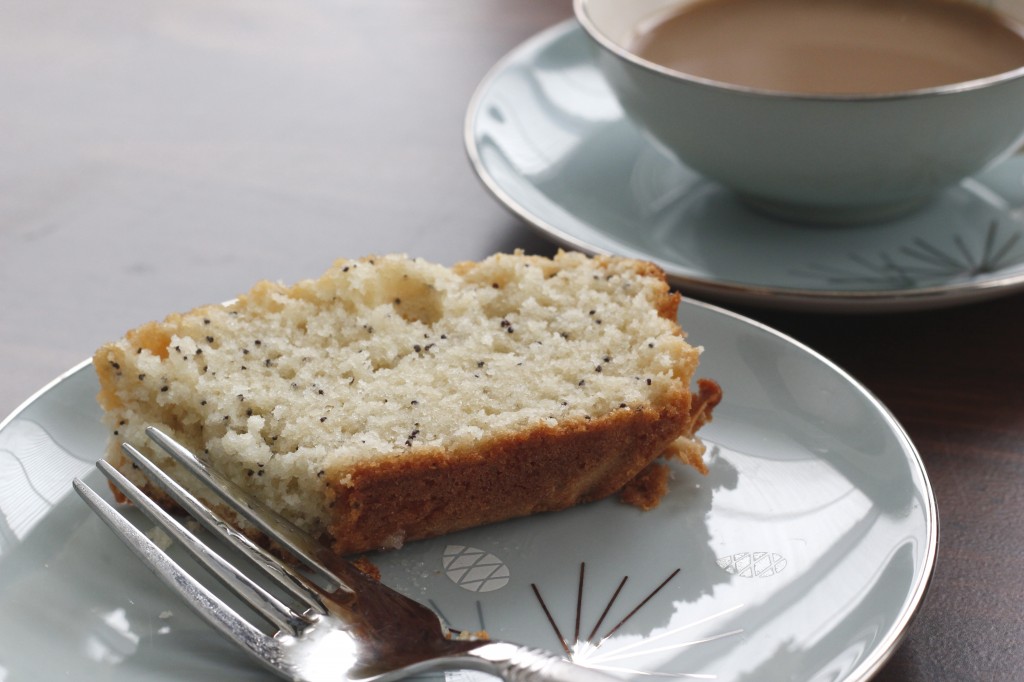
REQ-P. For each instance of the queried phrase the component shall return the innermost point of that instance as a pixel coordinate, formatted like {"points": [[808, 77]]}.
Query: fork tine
{"points": [[275, 526], [198, 597], [264, 603], [285, 577]]}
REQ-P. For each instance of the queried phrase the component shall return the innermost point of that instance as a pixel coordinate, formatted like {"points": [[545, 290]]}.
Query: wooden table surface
{"points": [[159, 155]]}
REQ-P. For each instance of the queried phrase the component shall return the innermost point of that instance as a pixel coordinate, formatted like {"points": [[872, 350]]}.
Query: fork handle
{"points": [[517, 663]]}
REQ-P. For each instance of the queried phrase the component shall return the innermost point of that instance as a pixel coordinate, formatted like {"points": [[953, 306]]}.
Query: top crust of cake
{"points": [[384, 363]]}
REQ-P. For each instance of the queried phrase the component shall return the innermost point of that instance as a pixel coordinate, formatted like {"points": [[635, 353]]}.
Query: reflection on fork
{"points": [[330, 621]]}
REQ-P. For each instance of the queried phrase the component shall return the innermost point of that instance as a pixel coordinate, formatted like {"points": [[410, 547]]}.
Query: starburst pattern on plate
{"points": [[591, 651], [921, 262]]}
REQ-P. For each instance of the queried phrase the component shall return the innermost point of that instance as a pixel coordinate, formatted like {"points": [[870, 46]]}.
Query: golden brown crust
{"points": [[709, 394], [689, 449], [105, 362], [647, 488], [545, 470], [367, 567], [668, 302]]}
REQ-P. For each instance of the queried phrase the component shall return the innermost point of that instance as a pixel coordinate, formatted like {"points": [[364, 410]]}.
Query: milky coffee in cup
{"points": [[843, 47]]}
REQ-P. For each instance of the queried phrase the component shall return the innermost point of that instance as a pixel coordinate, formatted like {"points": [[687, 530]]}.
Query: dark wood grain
{"points": [[155, 159]]}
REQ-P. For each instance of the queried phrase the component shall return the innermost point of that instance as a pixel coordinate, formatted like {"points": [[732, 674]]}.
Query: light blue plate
{"points": [[802, 556], [547, 137]]}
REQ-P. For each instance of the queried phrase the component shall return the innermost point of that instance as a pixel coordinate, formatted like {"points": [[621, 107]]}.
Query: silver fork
{"points": [[334, 623]]}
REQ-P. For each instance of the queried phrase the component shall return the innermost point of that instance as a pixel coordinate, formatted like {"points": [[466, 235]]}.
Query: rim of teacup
{"points": [[599, 36]]}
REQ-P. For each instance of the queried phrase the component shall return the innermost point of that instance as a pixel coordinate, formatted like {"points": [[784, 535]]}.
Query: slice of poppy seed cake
{"points": [[394, 399]]}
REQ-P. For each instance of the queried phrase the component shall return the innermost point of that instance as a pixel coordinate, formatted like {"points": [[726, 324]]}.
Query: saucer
{"points": [[548, 138]]}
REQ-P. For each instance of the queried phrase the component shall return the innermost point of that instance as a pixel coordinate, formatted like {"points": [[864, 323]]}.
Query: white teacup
{"points": [[821, 158]]}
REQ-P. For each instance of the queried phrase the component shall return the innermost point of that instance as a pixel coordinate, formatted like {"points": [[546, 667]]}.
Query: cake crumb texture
{"points": [[393, 399]]}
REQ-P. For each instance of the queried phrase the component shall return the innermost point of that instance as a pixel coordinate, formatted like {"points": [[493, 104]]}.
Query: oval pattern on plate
{"points": [[474, 569], [753, 564]]}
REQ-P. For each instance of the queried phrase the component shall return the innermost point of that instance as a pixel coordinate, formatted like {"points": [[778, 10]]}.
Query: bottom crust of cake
{"points": [[546, 470], [399, 500]]}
